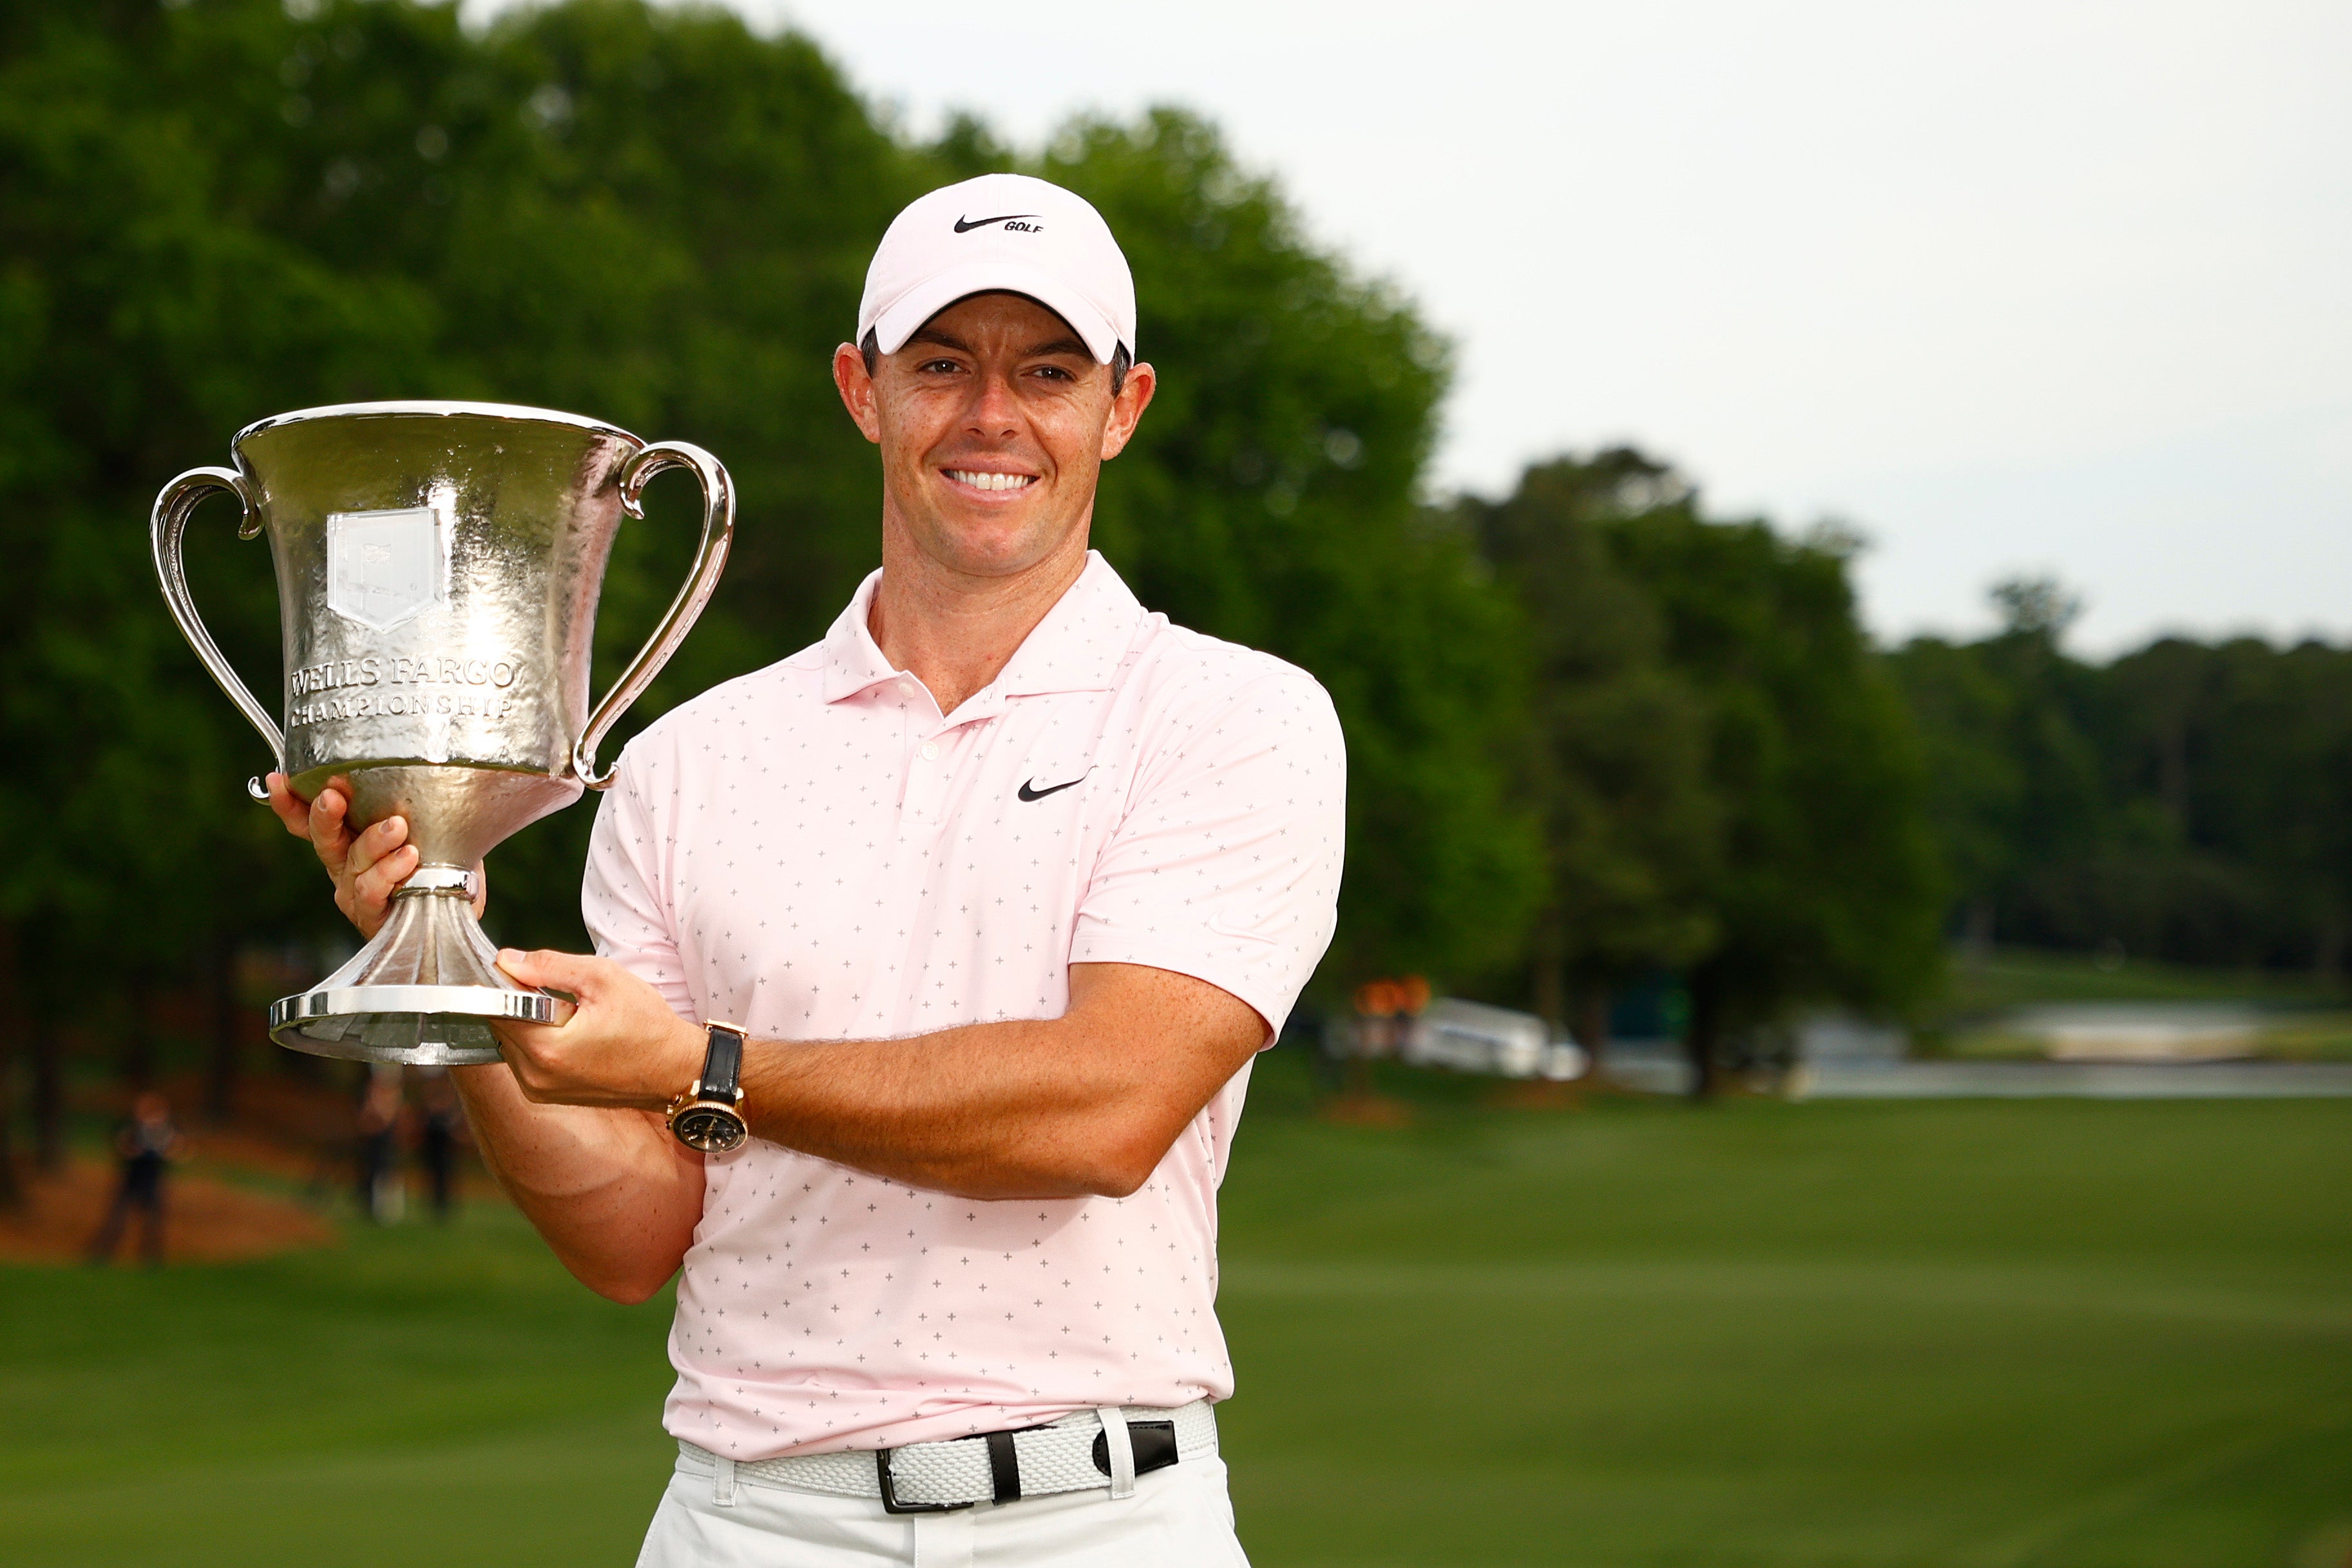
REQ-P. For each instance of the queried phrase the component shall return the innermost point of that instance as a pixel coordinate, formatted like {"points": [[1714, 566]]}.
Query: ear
{"points": [[857, 390], [1126, 409]]}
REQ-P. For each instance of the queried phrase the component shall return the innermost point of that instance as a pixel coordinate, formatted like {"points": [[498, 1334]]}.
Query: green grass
{"points": [[2039, 1334]]}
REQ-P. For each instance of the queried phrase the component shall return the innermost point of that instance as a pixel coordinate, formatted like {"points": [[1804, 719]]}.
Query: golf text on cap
{"points": [[1009, 220]]}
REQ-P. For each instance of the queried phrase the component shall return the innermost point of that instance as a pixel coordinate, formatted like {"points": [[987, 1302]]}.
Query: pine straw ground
{"points": [[207, 1219], [260, 1183]]}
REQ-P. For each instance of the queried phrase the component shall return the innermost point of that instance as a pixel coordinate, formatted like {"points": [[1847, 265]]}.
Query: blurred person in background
{"points": [[381, 1193], [441, 1125], [1006, 882], [143, 1147]]}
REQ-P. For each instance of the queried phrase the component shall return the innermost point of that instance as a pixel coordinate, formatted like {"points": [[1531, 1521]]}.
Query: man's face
{"points": [[994, 422]]}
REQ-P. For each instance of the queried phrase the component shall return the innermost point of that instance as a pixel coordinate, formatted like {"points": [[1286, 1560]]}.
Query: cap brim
{"points": [[899, 319]]}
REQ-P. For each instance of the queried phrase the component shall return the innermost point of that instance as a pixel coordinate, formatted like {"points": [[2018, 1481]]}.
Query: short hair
{"points": [[871, 348]]}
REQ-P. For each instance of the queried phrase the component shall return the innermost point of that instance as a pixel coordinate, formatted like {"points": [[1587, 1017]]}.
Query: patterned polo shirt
{"points": [[816, 852]]}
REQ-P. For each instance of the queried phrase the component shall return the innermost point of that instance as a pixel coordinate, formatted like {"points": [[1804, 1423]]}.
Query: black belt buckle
{"points": [[890, 1504]]}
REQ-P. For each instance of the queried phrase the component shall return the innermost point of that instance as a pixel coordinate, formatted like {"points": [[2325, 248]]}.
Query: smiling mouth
{"points": [[981, 482]]}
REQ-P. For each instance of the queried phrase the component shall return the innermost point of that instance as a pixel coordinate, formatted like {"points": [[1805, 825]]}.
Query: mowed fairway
{"points": [[1962, 1333]]}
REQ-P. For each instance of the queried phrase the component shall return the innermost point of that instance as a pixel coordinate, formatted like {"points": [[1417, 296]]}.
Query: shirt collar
{"points": [[853, 660], [1079, 646]]}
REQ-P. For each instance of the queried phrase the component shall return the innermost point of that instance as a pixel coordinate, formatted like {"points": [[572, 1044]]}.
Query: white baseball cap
{"points": [[1004, 232]]}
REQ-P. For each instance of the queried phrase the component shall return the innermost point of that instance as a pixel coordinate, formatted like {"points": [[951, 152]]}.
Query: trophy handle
{"points": [[717, 533], [173, 508]]}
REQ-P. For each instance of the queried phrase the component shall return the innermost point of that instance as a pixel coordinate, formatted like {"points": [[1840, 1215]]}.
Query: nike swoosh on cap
{"points": [[966, 225]]}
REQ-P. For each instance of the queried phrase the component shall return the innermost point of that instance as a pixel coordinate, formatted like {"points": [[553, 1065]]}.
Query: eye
{"points": [[931, 365], [1054, 373]]}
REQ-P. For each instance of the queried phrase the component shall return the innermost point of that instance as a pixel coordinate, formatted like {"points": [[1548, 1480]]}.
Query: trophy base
{"points": [[422, 1026], [423, 992]]}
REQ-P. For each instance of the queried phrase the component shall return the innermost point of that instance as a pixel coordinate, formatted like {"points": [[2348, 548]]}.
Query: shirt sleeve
{"points": [[1226, 865], [622, 897]]}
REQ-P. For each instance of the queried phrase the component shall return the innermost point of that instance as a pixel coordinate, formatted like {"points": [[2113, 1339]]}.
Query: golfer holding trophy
{"points": [[931, 962]]}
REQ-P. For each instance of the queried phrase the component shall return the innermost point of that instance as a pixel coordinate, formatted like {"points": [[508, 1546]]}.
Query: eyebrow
{"points": [[1069, 346], [933, 335]]}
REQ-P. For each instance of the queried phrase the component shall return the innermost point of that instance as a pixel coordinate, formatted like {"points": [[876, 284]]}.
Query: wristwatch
{"points": [[708, 1116]]}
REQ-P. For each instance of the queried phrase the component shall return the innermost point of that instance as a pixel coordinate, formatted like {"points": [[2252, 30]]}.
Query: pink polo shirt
{"points": [[815, 852]]}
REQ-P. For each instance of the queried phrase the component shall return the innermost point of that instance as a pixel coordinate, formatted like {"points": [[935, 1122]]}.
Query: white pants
{"points": [[1179, 1518]]}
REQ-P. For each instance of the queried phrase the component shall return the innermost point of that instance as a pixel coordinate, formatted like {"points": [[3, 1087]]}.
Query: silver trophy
{"points": [[438, 566]]}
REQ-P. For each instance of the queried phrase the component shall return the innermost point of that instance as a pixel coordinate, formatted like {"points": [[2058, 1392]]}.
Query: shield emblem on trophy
{"points": [[385, 567]]}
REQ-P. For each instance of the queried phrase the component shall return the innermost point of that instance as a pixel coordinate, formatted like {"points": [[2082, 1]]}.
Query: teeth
{"points": [[992, 481]]}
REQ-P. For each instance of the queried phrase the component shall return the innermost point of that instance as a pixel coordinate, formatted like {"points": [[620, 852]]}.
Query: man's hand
{"points": [[621, 1048], [366, 867]]}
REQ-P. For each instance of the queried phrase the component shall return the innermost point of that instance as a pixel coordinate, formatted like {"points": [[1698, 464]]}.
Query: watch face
{"points": [[713, 1129]]}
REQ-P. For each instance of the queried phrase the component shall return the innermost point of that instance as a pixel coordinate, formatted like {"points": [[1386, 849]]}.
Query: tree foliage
{"points": [[214, 211], [1729, 781], [1830, 886], [2188, 801], [1614, 747]]}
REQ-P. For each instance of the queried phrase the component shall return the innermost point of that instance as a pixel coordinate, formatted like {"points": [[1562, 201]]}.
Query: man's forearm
{"points": [[978, 1111], [1084, 1104], [616, 1196]]}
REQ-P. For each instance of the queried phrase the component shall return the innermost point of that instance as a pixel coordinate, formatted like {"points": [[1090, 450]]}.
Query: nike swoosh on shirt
{"points": [[1031, 792], [966, 225]]}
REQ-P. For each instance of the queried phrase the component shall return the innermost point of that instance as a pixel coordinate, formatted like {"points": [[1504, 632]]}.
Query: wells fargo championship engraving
{"points": [[349, 681], [438, 566]]}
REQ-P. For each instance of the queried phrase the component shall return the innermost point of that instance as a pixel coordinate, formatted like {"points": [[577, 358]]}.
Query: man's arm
{"points": [[1082, 1105], [616, 1196]]}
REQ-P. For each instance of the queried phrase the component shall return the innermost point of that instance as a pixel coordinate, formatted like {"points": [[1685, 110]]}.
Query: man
{"points": [[441, 1123], [1006, 881], [381, 1187], [143, 1147]]}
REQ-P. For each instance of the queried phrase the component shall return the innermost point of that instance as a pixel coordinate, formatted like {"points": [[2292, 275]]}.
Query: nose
{"points": [[993, 412]]}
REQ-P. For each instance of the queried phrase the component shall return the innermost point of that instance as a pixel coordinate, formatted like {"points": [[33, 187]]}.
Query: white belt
{"points": [[1087, 1450]]}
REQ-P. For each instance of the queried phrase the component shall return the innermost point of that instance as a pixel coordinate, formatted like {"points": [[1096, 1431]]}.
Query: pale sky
{"points": [[2009, 288]]}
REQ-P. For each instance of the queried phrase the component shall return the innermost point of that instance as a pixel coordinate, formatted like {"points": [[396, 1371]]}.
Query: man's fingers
{"points": [[373, 886], [532, 1050], [374, 844], [292, 809], [330, 832], [520, 1043], [572, 971], [373, 864]]}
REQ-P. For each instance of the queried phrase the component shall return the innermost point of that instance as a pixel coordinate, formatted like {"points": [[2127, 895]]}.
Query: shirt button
{"points": [[930, 753]]}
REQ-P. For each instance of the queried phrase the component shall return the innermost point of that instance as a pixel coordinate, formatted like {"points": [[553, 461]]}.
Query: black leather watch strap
{"points": [[722, 1064]]}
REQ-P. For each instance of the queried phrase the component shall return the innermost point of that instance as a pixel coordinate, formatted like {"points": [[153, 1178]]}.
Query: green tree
{"points": [[2235, 760], [1828, 890], [1615, 740], [2014, 779], [2185, 800]]}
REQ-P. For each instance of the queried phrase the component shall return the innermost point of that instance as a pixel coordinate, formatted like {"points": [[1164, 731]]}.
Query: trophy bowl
{"points": [[438, 566]]}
